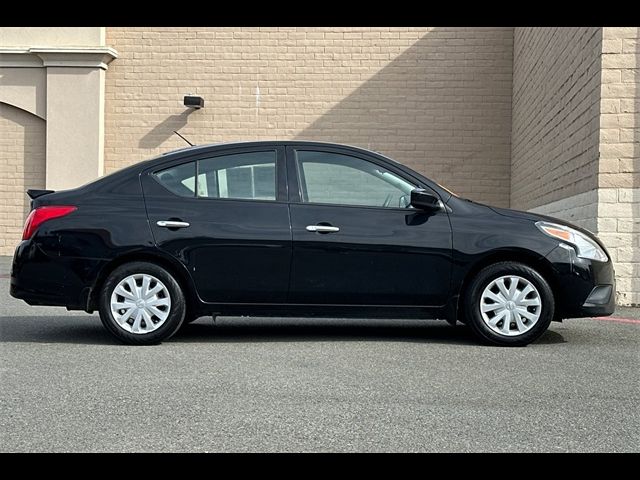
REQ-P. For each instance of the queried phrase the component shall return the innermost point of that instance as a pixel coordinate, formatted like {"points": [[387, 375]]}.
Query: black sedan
{"points": [[300, 229]]}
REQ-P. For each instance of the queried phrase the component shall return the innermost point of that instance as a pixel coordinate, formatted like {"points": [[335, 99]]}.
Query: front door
{"points": [[356, 240], [224, 215]]}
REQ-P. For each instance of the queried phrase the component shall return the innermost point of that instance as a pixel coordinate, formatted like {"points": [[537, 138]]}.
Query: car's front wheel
{"points": [[141, 304], [508, 303]]}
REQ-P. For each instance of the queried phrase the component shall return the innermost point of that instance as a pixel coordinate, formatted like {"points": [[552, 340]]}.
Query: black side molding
{"points": [[35, 193]]}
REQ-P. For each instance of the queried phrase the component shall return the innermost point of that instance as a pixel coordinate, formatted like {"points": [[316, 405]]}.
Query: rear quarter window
{"points": [[180, 179]]}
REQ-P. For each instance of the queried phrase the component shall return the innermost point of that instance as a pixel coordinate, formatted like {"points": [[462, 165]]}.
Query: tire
{"points": [[165, 308], [534, 310]]}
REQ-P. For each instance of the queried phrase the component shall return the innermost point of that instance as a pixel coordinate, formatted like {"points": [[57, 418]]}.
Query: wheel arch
{"points": [[526, 257], [175, 268]]}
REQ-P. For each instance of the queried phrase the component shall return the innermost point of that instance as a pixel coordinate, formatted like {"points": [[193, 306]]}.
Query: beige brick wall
{"points": [[437, 99], [619, 229], [22, 166], [556, 107], [619, 166], [620, 121]]}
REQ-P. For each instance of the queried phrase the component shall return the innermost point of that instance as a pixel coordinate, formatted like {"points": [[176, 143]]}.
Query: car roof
{"points": [[194, 150], [249, 143]]}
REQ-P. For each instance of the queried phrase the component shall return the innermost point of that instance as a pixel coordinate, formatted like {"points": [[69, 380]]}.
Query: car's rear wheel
{"points": [[508, 303], [141, 304]]}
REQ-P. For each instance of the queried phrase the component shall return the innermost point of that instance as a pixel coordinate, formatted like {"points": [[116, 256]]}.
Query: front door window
{"points": [[334, 178]]}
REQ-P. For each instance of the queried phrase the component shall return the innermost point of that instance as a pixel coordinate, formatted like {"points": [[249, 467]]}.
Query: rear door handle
{"points": [[322, 229], [172, 224]]}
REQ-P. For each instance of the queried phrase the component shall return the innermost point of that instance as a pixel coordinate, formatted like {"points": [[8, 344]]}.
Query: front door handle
{"points": [[322, 229], [172, 224]]}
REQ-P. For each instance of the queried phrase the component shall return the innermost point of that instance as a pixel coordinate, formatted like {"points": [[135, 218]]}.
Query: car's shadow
{"points": [[312, 330], [88, 330]]}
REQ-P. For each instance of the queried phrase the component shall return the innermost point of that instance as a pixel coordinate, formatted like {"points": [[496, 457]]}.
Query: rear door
{"points": [[224, 215]]}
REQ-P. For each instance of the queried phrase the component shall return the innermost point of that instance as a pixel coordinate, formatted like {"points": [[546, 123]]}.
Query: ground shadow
{"points": [[441, 106], [89, 330], [315, 330], [164, 130], [286, 330], [63, 329], [550, 337]]}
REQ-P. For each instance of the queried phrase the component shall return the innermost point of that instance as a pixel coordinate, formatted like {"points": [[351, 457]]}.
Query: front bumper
{"points": [[583, 288]]}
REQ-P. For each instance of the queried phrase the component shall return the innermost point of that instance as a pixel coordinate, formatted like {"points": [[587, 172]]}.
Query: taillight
{"points": [[41, 214]]}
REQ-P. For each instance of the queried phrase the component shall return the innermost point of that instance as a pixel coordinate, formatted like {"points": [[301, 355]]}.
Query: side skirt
{"points": [[327, 311]]}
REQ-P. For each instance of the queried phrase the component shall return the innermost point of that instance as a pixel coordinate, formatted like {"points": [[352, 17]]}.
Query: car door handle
{"points": [[172, 224], [322, 229]]}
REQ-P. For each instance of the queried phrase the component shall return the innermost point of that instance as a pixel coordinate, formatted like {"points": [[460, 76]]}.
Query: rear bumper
{"points": [[41, 279], [583, 288], [38, 297]]}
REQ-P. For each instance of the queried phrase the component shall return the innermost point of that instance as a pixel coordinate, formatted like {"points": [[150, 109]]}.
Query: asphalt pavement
{"points": [[308, 385]]}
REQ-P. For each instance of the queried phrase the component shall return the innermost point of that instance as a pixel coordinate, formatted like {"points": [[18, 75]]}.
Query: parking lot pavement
{"points": [[314, 385]]}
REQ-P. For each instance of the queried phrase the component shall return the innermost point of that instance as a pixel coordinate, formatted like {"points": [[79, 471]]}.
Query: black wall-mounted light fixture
{"points": [[193, 101]]}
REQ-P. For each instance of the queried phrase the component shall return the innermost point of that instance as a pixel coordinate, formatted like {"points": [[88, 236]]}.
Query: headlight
{"points": [[585, 246]]}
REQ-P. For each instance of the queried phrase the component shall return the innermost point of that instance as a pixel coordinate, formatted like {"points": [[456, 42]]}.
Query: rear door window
{"points": [[247, 176]]}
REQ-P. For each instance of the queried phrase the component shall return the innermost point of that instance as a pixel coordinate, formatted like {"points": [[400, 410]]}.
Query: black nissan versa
{"points": [[304, 229]]}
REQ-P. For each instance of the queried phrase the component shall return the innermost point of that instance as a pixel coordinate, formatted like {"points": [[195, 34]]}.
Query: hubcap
{"points": [[140, 303], [510, 305]]}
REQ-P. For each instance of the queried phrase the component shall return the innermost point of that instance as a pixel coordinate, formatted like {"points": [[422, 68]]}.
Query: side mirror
{"points": [[424, 200]]}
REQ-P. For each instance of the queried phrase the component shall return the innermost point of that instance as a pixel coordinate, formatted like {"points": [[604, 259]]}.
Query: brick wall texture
{"points": [[22, 166], [619, 166], [436, 99], [580, 209], [620, 107], [556, 106]]}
